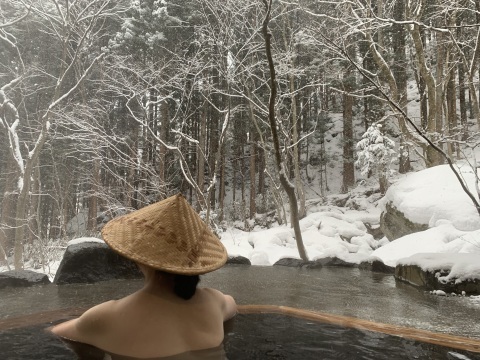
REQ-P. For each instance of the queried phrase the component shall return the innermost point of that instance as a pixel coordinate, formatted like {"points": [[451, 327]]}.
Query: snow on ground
{"points": [[439, 248], [432, 196], [324, 233], [431, 240]]}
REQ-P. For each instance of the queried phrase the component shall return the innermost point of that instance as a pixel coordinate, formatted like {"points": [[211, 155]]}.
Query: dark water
{"points": [[351, 292], [340, 291], [259, 336], [273, 336]]}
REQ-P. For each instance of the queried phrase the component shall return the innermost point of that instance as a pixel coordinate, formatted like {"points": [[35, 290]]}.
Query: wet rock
{"points": [[429, 280], [394, 224], [290, 262], [22, 278], [333, 261], [313, 265], [238, 260], [376, 266], [90, 262], [318, 263]]}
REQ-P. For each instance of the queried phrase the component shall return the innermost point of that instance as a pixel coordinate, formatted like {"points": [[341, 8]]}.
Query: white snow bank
{"points": [[444, 238], [324, 234], [236, 243], [434, 194]]}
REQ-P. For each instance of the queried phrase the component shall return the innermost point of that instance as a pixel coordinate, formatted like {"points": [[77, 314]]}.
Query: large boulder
{"points": [[89, 262], [416, 276], [22, 278], [441, 273], [290, 262], [376, 265], [315, 264], [238, 260], [332, 261], [394, 224], [427, 198]]}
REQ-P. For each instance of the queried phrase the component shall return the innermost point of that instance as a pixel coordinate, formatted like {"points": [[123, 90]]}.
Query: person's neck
{"points": [[156, 282]]}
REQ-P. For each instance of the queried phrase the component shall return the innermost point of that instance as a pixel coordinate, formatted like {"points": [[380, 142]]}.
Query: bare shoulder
{"points": [[226, 302], [216, 294], [97, 318], [89, 325]]}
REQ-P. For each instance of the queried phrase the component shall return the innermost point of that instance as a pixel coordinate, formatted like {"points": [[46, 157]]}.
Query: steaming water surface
{"points": [[335, 290]]}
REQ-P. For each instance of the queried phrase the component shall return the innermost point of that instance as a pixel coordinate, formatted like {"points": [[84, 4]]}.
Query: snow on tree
{"points": [[375, 154]]}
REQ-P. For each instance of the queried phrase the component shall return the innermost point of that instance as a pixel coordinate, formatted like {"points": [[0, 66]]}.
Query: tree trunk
{"points": [[399, 69], [439, 93], [93, 200], [461, 83], [234, 174], [422, 90], [213, 141], [380, 12], [451, 109], [221, 182], [34, 205], [243, 170], [287, 185], [152, 121], [432, 157], [201, 157], [132, 176], [7, 219], [302, 212], [20, 220], [383, 180], [162, 149], [261, 170], [348, 173], [462, 101], [253, 150]]}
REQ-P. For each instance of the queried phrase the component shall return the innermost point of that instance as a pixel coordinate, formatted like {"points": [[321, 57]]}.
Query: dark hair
{"points": [[185, 286]]}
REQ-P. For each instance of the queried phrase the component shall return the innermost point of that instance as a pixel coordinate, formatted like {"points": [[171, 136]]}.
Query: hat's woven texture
{"points": [[169, 236]]}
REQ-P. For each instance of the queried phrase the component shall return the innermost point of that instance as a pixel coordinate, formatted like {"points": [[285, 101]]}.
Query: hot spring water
{"points": [[344, 293]]}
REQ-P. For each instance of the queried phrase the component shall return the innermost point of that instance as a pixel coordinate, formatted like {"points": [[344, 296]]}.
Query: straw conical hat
{"points": [[169, 236]]}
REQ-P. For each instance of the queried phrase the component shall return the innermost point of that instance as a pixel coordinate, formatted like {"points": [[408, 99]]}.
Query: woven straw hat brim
{"points": [[169, 236]]}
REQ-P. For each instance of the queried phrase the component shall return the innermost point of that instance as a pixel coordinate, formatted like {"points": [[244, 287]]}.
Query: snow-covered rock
{"points": [[440, 271], [432, 195], [395, 224]]}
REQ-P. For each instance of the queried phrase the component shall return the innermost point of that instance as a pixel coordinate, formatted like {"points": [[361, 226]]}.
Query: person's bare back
{"points": [[172, 246], [150, 324]]}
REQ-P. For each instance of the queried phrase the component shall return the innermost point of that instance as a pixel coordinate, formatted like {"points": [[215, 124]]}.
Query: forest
{"points": [[109, 105]]}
